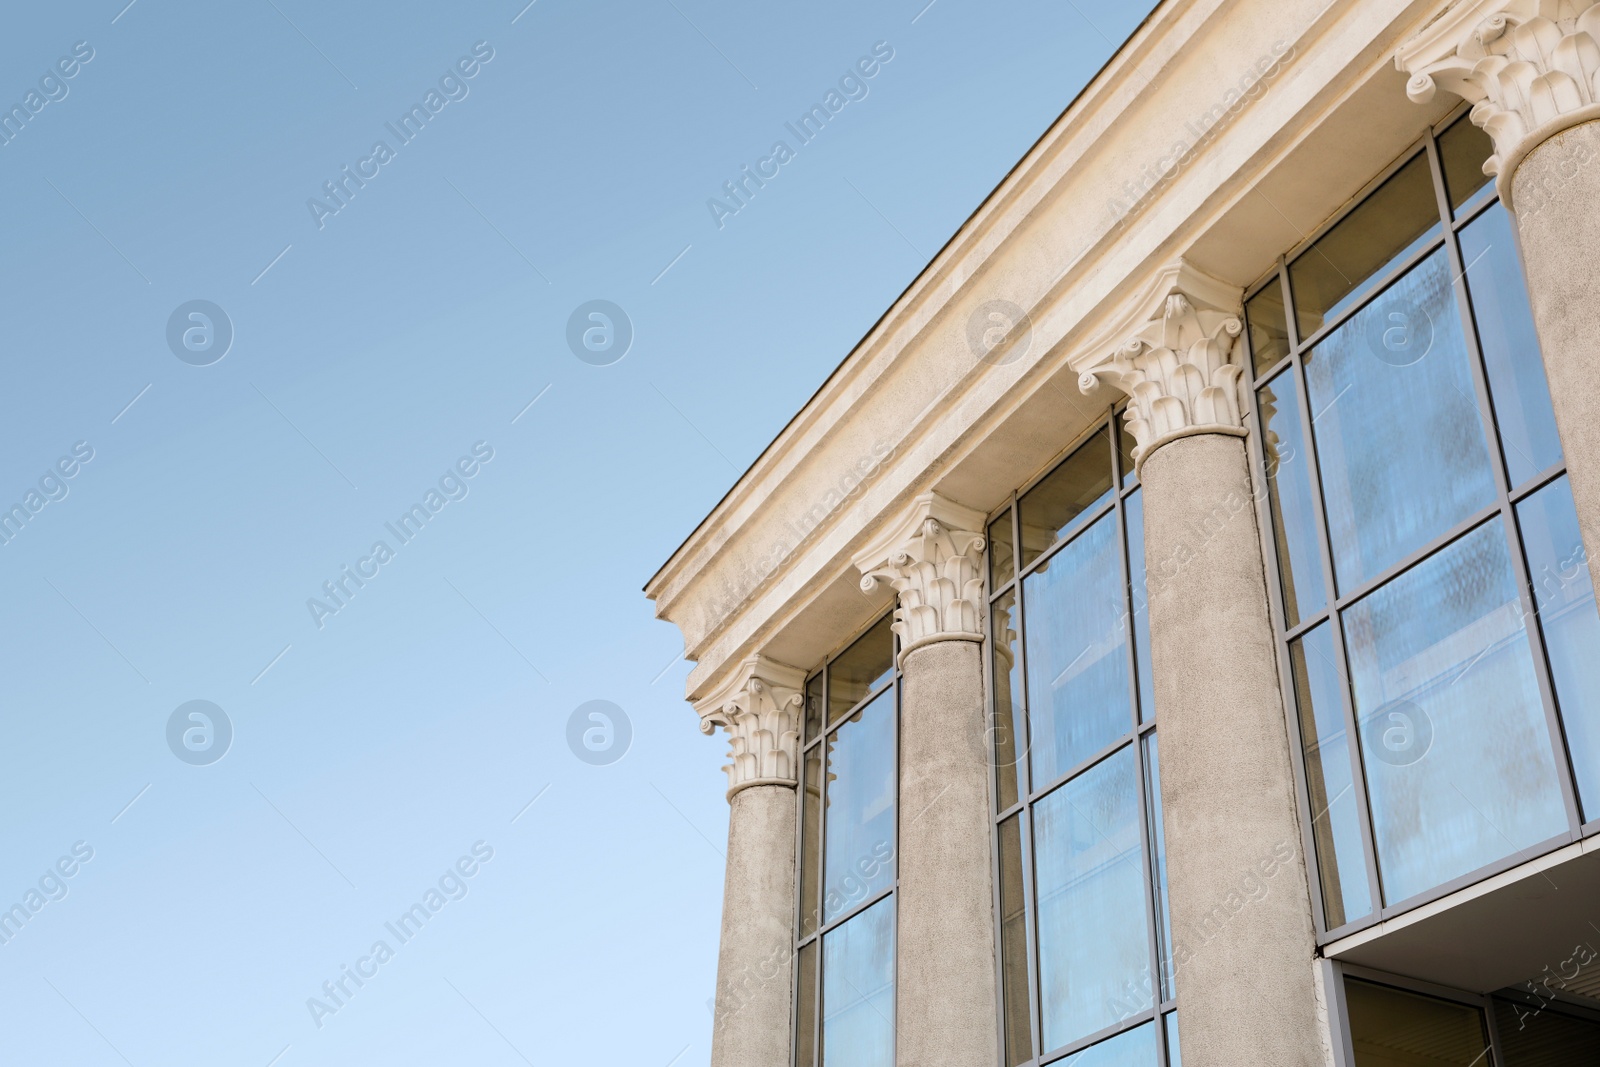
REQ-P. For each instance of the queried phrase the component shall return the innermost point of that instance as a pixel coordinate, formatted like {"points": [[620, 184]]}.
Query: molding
{"points": [[932, 556], [760, 708], [1182, 367], [1530, 69]]}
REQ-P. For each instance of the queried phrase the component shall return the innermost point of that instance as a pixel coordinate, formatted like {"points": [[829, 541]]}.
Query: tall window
{"points": [[1431, 587], [1081, 863], [849, 834]]}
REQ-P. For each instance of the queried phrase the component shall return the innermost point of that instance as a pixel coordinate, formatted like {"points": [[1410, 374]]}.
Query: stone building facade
{"points": [[1169, 635]]}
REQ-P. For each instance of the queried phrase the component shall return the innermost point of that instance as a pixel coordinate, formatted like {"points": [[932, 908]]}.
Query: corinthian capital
{"points": [[1530, 68], [760, 709], [933, 558], [1180, 373]]}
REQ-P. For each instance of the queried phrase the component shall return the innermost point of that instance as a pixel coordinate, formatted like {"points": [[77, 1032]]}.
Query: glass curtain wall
{"points": [[1430, 585], [1080, 860], [849, 841]]}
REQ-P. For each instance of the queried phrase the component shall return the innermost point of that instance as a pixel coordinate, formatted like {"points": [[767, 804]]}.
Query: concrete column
{"points": [[946, 1011], [1243, 943], [760, 710], [1529, 70]]}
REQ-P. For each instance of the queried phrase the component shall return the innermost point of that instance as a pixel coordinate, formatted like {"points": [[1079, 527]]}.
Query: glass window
{"points": [[811, 841], [1010, 736], [858, 990], [1002, 553], [861, 668], [1094, 955], [1330, 778], [1399, 438], [1397, 220], [1452, 728], [858, 859], [1133, 508], [1158, 865], [1125, 445], [1510, 346], [1136, 1048], [1390, 1026], [1077, 654], [1269, 327], [1294, 518], [1014, 945], [1463, 150], [1174, 1059], [1564, 595], [1066, 497], [806, 1007], [813, 706], [1544, 1035]]}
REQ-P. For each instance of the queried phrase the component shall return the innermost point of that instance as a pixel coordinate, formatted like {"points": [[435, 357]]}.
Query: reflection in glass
{"points": [[1077, 659], [811, 841], [1335, 813], [1452, 729], [1399, 438], [806, 1008], [861, 668], [1390, 1026], [1510, 346], [813, 706], [1010, 740], [1294, 520], [858, 990], [1054, 507], [860, 808], [1094, 956], [1136, 1048], [1133, 514], [1014, 944], [1540, 1034], [1158, 867], [1397, 220], [1463, 149], [1174, 1058], [1269, 328], [1558, 566], [1126, 444], [1002, 560]]}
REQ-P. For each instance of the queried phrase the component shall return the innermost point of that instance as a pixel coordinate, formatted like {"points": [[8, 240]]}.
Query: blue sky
{"points": [[373, 350]]}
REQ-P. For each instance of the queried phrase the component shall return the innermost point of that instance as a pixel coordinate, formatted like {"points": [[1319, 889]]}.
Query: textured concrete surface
{"points": [[1241, 910], [1556, 192], [946, 997], [754, 972]]}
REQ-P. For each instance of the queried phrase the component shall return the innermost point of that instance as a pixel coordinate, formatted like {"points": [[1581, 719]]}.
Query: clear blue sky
{"points": [[369, 755]]}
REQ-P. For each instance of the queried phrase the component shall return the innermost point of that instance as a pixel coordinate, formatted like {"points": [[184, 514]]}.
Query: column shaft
{"points": [[946, 1006], [1556, 192], [1243, 954], [754, 971]]}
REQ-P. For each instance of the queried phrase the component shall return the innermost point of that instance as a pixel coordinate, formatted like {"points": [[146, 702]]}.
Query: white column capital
{"points": [[932, 555], [760, 707], [1530, 68], [1181, 369]]}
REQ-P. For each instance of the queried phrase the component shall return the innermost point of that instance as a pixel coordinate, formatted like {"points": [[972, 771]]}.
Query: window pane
{"points": [[1093, 949], [1458, 761], [1002, 562], [1051, 509], [805, 1026], [1510, 346], [858, 990], [1399, 218], [1158, 867], [1077, 653], [1559, 568], [1174, 1059], [1535, 1036], [1010, 742], [1133, 512], [1136, 1048], [861, 668], [1389, 1026], [1125, 443], [1269, 328], [811, 842], [1014, 944], [1294, 520], [813, 707], [860, 808], [1335, 815], [1399, 437], [1463, 148]]}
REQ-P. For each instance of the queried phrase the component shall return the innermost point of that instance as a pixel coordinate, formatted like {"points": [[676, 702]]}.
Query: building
{"points": [[1226, 479]]}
